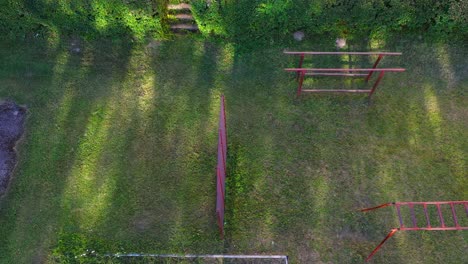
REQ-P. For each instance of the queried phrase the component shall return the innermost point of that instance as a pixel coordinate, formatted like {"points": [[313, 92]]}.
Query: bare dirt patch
{"points": [[12, 117]]}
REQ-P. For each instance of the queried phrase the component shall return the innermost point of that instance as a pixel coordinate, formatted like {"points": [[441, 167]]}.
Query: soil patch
{"points": [[12, 117]]}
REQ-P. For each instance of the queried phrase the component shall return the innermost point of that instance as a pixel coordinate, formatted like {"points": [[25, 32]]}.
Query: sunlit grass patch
{"points": [[120, 154]]}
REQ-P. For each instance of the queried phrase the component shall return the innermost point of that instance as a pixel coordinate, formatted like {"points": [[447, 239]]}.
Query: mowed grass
{"points": [[119, 153]]}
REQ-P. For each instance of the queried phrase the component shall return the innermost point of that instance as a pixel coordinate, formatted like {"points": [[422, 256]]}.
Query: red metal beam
{"points": [[381, 75], [301, 81], [373, 67], [392, 232], [376, 207], [428, 227], [344, 70], [335, 91], [434, 203], [450, 228], [428, 221], [454, 215], [301, 60], [221, 168], [337, 74], [340, 53]]}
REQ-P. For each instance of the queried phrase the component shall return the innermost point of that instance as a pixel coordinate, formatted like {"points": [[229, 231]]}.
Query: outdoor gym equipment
{"points": [[428, 225], [221, 168], [355, 72]]}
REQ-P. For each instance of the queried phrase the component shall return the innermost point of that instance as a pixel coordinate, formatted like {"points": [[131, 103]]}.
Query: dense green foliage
{"points": [[266, 20], [87, 18], [244, 21]]}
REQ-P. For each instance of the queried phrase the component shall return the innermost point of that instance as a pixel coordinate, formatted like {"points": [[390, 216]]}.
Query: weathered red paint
{"points": [[221, 168], [374, 66], [302, 72], [415, 227]]}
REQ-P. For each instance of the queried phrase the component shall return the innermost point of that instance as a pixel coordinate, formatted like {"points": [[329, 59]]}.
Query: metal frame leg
{"points": [[392, 232], [301, 60], [301, 80], [381, 75], [373, 67]]}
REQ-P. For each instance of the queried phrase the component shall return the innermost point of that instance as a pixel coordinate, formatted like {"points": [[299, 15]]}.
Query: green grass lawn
{"points": [[119, 153]]}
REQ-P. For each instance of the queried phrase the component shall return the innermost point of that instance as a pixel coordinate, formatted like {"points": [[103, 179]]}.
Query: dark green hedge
{"points": [[267, 20], [243, 21], [87, 18]]}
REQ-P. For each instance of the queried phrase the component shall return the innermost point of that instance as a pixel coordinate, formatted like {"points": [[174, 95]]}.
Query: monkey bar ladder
{"points": [[442, 225]]}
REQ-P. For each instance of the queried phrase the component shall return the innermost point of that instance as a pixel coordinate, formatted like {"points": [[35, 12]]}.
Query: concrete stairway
{"points": [[181, 19]]}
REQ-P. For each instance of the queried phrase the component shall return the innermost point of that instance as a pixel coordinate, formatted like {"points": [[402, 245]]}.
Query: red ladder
{"points": [[414, 226]]}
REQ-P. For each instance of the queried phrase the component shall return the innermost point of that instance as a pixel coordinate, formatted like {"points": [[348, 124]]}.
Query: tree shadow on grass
{"points": [[164, 173], [61, 90], [353, 154]]}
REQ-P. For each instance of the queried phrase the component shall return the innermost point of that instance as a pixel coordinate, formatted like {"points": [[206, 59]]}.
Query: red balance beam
{"points": [[221, 168]]}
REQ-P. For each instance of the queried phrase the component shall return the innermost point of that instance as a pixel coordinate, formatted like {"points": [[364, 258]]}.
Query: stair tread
{"points": [[179, 6], [185, 26], [184, 16]]}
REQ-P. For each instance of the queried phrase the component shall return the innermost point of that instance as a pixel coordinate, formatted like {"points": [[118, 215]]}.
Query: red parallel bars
{"points": [[339, 72], [221, 168], [414, 226]]}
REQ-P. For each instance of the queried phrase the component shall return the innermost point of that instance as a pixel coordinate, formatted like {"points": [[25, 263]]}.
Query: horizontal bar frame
{"points": [[428, 227], [302, 72], [336, 74], [198, 256], [345, 70], [335, 91], [341, 53], [433, 203]]}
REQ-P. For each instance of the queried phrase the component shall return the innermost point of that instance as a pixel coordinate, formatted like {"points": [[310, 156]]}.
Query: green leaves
{"points": [[90, 19]]}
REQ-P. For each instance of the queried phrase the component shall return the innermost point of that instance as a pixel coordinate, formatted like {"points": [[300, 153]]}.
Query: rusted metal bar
{"points": [[441, 217], [413, 215], [392, 232], [399, 216], [374, 66], [376, 207], [301, 60], [341, 53], [334, 91], [454, 215], [381, 75], [301, 81], [221, 168], [428, 221], [337, 74], [194, 256], [345, 70], [450, 228], [411, 205], [434, 203]]}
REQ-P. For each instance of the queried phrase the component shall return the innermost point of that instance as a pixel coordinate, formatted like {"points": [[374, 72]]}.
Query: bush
{"points": [[259, 22], [135, 19]]}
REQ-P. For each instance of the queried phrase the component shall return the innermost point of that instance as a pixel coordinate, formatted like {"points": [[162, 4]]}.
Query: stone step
{"points": [[184, 17], [179, 8], [184, 27], [180, 19]]}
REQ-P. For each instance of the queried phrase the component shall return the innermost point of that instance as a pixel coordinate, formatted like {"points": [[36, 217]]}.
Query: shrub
{"points": [[259, 22], [135, 19]]}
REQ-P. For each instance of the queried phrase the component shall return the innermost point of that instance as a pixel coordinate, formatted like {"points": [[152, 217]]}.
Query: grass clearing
{"points": [[120, 150]]}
